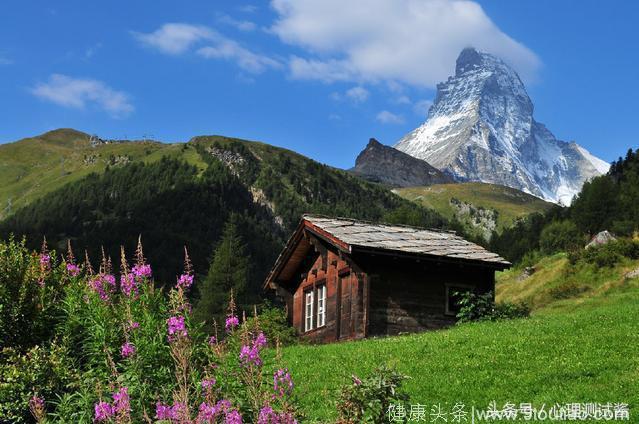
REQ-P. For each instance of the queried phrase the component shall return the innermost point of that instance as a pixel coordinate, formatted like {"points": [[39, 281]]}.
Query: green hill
{"points": [[179, 194], [579, 347], [480, 207]]}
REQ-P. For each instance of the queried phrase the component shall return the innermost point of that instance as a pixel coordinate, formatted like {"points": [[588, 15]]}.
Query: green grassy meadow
{"points": [[508, 202], [582, 349]]}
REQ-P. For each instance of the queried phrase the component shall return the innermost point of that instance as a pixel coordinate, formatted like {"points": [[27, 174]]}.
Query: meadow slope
{"points": [[579, 350]]}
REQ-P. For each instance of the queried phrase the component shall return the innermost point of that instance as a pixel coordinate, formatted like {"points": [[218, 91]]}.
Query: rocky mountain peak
{"points": [[481, 128]]}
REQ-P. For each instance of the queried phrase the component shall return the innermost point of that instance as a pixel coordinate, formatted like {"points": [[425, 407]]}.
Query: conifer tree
{"points": [[229, 270]]}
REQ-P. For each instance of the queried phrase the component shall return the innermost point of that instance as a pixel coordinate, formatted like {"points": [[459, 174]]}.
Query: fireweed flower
{"points": [[133, 325], [206, 413], [212, 341], [185, 281], [128, 284], [231, 323], [45, 260], [103, 411], [103, 285], [121, 401], [356, 380], [163, 411], [251, 354], [282, 382], [142, 271], [233, 417], [176, 328], [36, 406], [208, 383], [267, 416], [128, 350], [73, 270]]}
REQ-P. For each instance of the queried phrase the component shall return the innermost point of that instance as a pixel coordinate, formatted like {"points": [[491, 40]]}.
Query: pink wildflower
{"points": [[176, 327], [36, 406], [128, 350], [163, 411], [185, 281], [73, 270], [251, 354], [356, 380], [212, 340], [122, 402], [129, 285], [207, 413], [208, 383], [142, 271], [233, 417], [134, 325], [231, 323], [45, 260], [282, 382], [103, 411]]}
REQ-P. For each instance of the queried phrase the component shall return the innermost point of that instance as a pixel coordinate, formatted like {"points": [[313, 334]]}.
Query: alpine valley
{"points": [[481, 128]]}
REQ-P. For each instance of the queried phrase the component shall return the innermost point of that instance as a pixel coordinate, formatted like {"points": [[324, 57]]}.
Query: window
{"points": [[308, 312], [321, 305], [452, 297]]}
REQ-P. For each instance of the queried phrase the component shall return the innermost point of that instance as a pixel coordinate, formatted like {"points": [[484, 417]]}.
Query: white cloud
{"points": [[412, 42], [78, 93], [402, 100], [245, 26], [177, 38], [245, 59], [422, 106], [386, 117], [357, 94]]}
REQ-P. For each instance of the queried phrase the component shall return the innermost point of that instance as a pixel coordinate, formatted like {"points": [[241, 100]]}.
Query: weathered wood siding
{"points": [[410, 296], [346, 298]]}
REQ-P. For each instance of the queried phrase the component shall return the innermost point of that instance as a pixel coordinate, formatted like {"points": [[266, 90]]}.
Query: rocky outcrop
{"points": [[386, 165]]}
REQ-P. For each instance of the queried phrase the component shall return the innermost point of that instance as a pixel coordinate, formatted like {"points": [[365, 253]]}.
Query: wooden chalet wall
{"points": [[346, 297], [376, 294], [407, 295]]}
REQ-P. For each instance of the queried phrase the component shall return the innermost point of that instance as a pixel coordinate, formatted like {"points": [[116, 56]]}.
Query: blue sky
{"points": [[318, 77]]}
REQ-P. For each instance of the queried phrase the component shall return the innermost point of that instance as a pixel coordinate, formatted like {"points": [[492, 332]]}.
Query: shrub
{"points": [[368, 400], [607, 255], [567, 290], [482, 307], [560, 236], [274, 323]]}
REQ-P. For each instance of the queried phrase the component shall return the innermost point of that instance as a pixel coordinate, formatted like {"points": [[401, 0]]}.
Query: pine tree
{"points": [[229, 270]]}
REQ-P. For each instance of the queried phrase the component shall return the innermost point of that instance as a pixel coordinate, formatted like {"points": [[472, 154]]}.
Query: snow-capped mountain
{"points": [[481, 128]]}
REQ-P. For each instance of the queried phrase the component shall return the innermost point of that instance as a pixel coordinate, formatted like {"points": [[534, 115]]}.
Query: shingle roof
{"points": [[406, 239]]}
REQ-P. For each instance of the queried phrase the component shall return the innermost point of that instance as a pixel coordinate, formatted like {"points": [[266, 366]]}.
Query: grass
{"points": [[581, 349], [508, 202]]}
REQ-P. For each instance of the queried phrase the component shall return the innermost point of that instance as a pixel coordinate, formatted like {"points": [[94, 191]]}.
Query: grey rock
{"points": [[386, 165]]}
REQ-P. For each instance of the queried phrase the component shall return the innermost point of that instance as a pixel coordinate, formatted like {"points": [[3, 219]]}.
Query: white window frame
{"points": [[321, 305], [308, 310]]}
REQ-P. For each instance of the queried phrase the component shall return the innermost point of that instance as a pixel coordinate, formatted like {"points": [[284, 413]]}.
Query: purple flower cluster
{"points": [[209, 413], [45, 260], [103, 412], [251, 354], [269, 416], [73, 270], [36, 402], [128, 350], [129, 285], [122, 402], [177, 412], [103, 285], [142, 271], [176, 328], [133, 325], [121, 406], [231, 323], [282, 382], [185, 281], [208, 383], [212, 341], [356, 380]]}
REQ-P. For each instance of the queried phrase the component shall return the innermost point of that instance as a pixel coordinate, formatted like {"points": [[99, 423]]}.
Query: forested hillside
{"points": [[608, 202], [189, 196]]}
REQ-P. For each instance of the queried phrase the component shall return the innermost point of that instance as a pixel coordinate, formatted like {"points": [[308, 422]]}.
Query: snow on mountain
{"points": [[481, 128]]}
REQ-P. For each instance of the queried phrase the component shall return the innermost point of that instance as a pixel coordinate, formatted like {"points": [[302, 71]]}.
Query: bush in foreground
{"points": [[482, 307]]}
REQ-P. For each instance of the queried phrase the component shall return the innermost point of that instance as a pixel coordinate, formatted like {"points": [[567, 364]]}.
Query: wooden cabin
{"points": [[344, 279]]}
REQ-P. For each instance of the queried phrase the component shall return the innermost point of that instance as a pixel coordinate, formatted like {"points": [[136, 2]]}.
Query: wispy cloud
{"points": [[178, 38], [413, 42], [80, 92], [386, 117], [357, 94], [421, 107], [241, 25], [175, 38], [249, 8], [5, 60]]}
